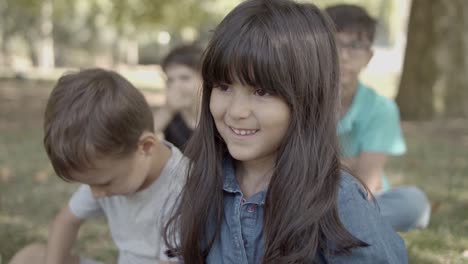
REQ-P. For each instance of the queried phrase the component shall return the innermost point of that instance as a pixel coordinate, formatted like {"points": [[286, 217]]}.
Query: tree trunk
{"points": [[126, 47], [456, 94], [119, 50], [3, 36], [132, 50], [3, 50], [46, 56], [419, 72], [434, 70]]}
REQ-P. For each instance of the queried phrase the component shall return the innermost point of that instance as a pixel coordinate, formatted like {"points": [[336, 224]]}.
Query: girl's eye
{"points": [[184, 77], [222, 87], [261, 92]]}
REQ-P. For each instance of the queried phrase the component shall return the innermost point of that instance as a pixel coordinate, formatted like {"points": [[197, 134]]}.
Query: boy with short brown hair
{"points": [[98, 130]]}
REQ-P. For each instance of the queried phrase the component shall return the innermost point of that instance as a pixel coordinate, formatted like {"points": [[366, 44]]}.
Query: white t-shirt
{"points": [[136, 221]]}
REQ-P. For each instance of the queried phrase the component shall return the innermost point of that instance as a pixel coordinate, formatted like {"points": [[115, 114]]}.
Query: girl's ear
{"points": [[147, 143]]}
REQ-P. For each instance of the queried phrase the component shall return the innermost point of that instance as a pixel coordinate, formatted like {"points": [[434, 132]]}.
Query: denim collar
{"points": [[231, 185]]}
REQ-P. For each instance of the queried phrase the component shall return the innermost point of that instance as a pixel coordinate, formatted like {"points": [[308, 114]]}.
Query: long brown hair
{"points": [[286, 48]]}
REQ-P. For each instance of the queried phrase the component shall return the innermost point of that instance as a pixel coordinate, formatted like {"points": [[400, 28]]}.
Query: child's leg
{"points": [[405, 208], [35, 253]]}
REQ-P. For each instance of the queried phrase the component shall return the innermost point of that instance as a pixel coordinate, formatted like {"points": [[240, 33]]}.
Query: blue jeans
{"points": [[405, 208]]}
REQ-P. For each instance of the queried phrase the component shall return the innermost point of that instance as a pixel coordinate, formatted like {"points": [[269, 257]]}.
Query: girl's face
{"points": [[252, 122]]}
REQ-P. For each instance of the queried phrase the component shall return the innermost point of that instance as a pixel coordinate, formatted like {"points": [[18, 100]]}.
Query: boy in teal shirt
{"points": [[369, 128], [371, 125]]}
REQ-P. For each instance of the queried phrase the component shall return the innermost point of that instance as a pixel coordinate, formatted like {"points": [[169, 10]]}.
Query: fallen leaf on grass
{"points": [[5, 174], [42, 176], [435, 206]]}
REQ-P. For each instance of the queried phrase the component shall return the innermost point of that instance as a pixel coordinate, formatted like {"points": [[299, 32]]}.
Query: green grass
{"points": [[436, 161], [30, 194]]}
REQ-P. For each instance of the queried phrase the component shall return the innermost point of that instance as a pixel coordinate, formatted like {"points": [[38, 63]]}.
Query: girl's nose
{"points": [[239, 107]]}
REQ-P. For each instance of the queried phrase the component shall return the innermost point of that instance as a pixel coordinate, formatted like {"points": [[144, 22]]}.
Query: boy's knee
{"points": [[33, 253], [417, 198], [418, 205], [424, 208]]}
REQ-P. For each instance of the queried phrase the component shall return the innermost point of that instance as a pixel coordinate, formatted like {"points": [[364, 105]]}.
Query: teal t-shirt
{"points": [[372, 124]]}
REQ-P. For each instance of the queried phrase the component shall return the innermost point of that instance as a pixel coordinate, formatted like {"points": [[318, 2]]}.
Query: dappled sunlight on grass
{"points": [[436, 161], [435, 246], [13, 219]]}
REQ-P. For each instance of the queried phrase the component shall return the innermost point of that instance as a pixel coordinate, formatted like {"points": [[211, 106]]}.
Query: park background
{"points": [[420, 60]]}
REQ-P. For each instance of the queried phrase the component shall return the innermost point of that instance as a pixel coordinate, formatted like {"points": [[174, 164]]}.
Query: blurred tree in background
{"points": [[110, 32], [49, 33], [30, 20], [435, 75], [101, 31]]}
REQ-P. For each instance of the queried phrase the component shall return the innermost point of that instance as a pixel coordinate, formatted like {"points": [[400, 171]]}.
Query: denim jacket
{"points": [[241, 237]]}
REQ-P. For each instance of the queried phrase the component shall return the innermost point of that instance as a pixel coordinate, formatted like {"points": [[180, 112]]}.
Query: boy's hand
{"points": [[369, 167]]}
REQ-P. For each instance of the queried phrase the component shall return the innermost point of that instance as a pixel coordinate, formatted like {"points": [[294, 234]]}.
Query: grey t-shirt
{"points": [[136, 221]]}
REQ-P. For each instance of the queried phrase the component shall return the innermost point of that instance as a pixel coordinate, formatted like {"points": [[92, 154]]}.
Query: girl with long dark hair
{"points": [[265, 183]]}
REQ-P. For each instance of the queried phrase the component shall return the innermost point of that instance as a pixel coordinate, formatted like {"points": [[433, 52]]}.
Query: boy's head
{"points": [[182, 68], [98, 130], [186, 55], [355, 34]]}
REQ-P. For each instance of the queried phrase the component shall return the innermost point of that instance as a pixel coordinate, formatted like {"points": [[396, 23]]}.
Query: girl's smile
{"points": [[244, 133]]}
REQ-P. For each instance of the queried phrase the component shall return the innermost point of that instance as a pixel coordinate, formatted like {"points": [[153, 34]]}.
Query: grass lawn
{"points": [[30, 193]]}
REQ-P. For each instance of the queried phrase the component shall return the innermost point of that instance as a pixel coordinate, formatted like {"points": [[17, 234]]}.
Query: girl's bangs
{"points": [[246, 58]]}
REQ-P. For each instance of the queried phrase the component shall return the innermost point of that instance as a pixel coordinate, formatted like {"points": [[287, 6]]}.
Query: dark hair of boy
{"points": [[352, 19], [188, 55], [92, 114]]}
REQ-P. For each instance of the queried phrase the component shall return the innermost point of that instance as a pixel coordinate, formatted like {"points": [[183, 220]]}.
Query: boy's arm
{"points": [[62, 235], [369, 168]]}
